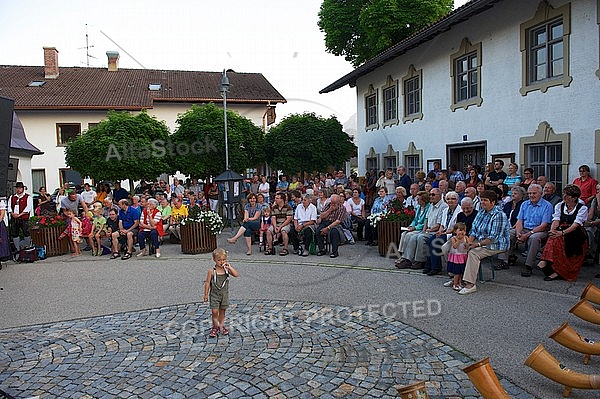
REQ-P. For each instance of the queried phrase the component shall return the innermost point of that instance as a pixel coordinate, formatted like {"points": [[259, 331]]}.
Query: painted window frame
{"points": [[466, 49], [545, 15], [412, 151], [369, 157], [390, 104], [412, 75], [371, 110]]}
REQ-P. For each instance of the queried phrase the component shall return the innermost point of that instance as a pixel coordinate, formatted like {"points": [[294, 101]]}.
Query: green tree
{"points": [[123, 146], [306, 142], [361, 29], [202, 129]]}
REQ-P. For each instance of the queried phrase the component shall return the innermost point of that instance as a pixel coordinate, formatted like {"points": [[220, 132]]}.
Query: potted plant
{"points": [[389, 224], [199, 231], [45, 231]]}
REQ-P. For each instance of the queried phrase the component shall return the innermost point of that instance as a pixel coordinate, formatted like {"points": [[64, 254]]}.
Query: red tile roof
{"points": [[98, 88]]}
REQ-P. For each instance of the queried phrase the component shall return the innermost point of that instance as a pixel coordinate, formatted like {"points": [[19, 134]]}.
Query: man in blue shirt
{"points": [[533, 222], [490, 235], [129, 219], [119, 192]]}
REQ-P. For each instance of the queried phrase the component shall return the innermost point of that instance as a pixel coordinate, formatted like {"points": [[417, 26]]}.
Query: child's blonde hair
{"points": [[460, 226], [267, 209], [219, 252]]}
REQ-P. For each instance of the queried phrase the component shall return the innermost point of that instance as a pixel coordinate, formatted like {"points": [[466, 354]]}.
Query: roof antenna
{"points": [[87, 47], [121, 48]]}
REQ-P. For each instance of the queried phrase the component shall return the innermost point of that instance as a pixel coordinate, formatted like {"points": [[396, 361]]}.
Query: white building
{"points": [[54, 104], [511, 79]]}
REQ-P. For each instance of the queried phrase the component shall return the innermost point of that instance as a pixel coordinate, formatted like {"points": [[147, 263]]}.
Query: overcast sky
{"points": [[278, 38]]}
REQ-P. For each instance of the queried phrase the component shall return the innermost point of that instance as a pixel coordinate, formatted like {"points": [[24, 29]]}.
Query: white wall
{"points": [[505, 115]]}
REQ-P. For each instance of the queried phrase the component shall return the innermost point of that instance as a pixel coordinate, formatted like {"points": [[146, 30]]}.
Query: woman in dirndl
{"points": [[567, 244]]}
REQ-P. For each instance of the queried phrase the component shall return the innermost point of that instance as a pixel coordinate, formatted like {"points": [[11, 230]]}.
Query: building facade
{"points": [[517, 80], [56, 103]]}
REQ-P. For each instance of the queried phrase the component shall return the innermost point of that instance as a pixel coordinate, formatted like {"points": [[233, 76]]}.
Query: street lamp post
{"points": [[224, 89]]}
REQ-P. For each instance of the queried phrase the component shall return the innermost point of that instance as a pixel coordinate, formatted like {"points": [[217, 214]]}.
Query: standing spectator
{"points": [[295, 184], [88, 195], [283, 184], [62, 194], [496, 176], [512, 178], [196, 187], [213, 195], [119, 192], [586, 183], [100, 193], [177, 188], [254, 184], [528, 178], [73, 201], [20, 206], [387, 181], [404, 180], [455, 174], [473, 180], [264, 188], [370, 180]]}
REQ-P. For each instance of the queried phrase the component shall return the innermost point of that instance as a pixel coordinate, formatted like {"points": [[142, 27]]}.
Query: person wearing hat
{"points": [[20, 206]]}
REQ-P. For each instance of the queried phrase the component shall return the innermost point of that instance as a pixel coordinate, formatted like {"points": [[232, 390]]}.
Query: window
{"points": [[372, 160], [413, 165], [68, 175], [371, 109], [390, 102], [36, 83], [411, 90], [92, 125], [466, 76], [389, 163], [38, 177], [545, 49], [546, 159], [66, 131]]}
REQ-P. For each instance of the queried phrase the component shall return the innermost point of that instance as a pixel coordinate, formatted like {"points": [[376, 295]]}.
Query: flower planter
{"points": [[196, 238], [48, 237], [389, 232]]}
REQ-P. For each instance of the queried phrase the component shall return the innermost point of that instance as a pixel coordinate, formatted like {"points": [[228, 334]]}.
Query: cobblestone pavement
{"points": [[276, 349]]}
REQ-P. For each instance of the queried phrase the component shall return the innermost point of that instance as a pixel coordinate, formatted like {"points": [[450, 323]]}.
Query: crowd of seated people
{"points": [[504, 213]]}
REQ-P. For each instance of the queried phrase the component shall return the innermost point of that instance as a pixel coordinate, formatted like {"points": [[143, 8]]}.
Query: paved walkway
{"points": [[82, 328], [275, 349]]}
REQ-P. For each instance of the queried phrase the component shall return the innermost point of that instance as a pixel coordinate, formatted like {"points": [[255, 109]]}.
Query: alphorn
{"points": [[586, 311], [484, 378], [569, 338], [545, 364], [413, 391], [591, 293]]}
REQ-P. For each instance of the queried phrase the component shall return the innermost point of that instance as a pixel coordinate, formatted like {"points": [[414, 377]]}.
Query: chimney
{"points": [[50, 63], [113, 60]]}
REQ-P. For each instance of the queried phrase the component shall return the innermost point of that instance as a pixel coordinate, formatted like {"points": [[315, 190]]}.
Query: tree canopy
{"points": [[202, 129], [306, 142], [123, 146], [361, 29]]}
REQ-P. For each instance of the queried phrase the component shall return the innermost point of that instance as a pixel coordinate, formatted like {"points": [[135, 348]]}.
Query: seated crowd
{"points": [[459, 218]]}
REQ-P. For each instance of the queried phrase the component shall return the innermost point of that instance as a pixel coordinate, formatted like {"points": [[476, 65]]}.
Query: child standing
{"points": [[216, 287], [265, 223], [74, 232], [98, 231], [457, 257]]}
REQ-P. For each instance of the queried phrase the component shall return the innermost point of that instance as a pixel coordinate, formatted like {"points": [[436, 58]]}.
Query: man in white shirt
{"points": [[305, 219], [88, 195], [20, 206], [411, 200]]}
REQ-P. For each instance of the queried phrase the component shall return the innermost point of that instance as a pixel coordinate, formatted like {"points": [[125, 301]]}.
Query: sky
{"points": [[278, 38]]}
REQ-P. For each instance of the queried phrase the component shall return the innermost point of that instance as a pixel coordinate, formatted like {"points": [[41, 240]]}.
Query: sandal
{"points": [[224, 331], [115, 255], [283, 252], [213, 332], [126, 256]]}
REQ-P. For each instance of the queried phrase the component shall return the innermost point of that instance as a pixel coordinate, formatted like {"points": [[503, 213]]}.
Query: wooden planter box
{"points": [[196, 238], [389, 232], [48, 237]]}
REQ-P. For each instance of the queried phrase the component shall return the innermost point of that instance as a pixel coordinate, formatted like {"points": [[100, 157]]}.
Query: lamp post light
{"points": [[224, 90]]}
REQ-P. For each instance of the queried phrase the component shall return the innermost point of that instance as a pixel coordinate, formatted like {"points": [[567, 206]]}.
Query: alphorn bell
{"points": [[484, 378], [545, 364], [586, 311], [413, 391], [569, 338], [591, 293]]}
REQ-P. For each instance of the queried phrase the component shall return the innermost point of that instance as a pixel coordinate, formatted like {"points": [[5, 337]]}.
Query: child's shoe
{"points": [[213, 332], [224, 331], [457, 287]]}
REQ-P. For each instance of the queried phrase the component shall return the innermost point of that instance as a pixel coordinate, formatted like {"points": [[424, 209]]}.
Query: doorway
{"points": [[463, 154]]}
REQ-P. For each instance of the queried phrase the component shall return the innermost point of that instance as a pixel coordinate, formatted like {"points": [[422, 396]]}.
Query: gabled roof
{"points": [[444, 24], [127, 89], [18, 140]]}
